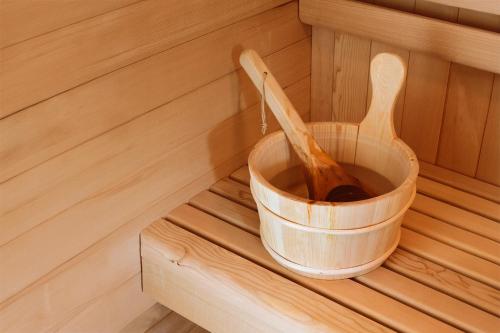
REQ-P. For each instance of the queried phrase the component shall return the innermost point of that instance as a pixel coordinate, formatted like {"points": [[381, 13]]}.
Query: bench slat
{"points": [[358, 297], [457, 216], [459, 198], [444, 279], [459, 181], [448, 256], [220, 290], [456, 237]]}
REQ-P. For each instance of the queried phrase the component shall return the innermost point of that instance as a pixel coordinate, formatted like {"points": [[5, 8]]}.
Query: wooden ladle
{"points": [[326, 179]]}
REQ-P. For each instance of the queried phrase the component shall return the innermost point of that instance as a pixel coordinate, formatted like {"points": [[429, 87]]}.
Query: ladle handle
{"points": [[387, 73], [280, 105]]}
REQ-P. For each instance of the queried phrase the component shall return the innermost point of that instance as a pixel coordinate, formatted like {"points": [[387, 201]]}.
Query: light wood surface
{"points": [[177, 263], [131, 33], [322, 73], [351, 69], [489, 159], [488, 6], [364, 300], [428, 91], [59, 124], [457, 43], [424, 285], [147, 319], [440, 273], [88, 276], [41, 17], [469, 92], [459, 198], [461, 182], [323, 174]]}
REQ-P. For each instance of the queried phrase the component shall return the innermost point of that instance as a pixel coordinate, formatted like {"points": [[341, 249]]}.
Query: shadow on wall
{"points": [[232, 139]]}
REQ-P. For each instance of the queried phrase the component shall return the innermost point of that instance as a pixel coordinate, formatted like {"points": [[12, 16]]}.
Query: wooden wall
{"points": [[112, 113], [448, 113]]}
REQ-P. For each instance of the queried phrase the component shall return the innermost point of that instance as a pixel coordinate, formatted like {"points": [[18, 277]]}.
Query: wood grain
{"points": [[322, 73], [480, 206], [61, 123], [469, 92], [446, 280], [456, 216], [147, 319], [462, 182], [187, 272], [426, 92], [427, 299], [469, 242], [488, 168], [128, 186], [172, 322], [18, 205], [489, 6], [72, 277], [469, 46], [350, 79], [75, 54], [424, 104], [377, 48], [24, 19], [364, 300], [416, 267], [448, 256]]}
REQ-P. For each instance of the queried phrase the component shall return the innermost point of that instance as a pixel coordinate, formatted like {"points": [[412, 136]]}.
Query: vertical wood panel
{"points": [[489, 160], [426, 92], [323, 43], [350, 81], [468, 99]]}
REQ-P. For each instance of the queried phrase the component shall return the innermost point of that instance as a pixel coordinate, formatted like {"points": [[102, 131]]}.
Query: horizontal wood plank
{"points": [[54, 126], [445, 280], [26, 311], [442, 306], [117, 195], [459, 198], [459, 181], [23, 207], [457, 43], [448, 256], [24, 19], [461, 239], [83, 51], [188, 273], [356, 296], [456, 216], [438, 276]]}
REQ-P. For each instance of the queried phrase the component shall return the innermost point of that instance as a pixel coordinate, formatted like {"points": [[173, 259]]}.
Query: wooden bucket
{"points": [[337, 240]]}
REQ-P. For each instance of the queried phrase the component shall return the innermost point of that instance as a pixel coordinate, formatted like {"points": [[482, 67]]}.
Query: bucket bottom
{"points": [[332, 274]]}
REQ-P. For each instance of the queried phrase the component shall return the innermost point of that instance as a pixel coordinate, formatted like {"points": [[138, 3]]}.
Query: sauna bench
{"points": [[205, 261]]}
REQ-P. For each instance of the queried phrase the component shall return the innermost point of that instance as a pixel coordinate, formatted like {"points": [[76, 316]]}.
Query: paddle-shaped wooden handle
{"points": [[387, 73], [291, 123]]}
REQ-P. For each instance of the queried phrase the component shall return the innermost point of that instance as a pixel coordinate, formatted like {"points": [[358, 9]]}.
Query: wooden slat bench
{"points": [[206, 262]]}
